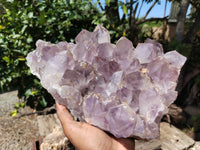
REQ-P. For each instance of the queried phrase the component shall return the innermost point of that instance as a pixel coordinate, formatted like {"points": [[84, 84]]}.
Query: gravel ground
{"points": [[16, 133]]}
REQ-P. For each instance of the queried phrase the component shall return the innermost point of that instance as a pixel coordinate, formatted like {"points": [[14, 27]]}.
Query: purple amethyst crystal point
{"points": [[118, 88], [102, 35]]}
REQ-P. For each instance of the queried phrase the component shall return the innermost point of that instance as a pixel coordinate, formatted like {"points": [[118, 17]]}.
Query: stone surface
{"points": [[7, 103], [196, 146], [118, 88], [47, 124], [52, 134], [55, 141], [171, 138]]}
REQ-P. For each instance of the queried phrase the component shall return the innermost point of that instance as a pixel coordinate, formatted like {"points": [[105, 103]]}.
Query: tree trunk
{"points": [[112, 10], [193, 29], [181, 19]]}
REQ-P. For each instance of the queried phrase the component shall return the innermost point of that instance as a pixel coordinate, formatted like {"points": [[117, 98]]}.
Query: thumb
{"points": [[74, 131], [71, 128], [63, 114], [82, 135]]}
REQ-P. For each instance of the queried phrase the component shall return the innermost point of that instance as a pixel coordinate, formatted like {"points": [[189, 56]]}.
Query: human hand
{"points": [[87, 137]]}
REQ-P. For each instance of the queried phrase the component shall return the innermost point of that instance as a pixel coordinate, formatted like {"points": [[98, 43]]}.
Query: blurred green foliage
{"points": [[22, 23], [183, 48]]}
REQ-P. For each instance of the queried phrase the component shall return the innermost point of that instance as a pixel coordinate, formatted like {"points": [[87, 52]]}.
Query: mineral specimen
{"points": [[118, 88]]}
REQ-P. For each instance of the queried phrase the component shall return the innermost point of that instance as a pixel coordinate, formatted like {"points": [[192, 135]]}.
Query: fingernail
{"points": [[60, 106]]}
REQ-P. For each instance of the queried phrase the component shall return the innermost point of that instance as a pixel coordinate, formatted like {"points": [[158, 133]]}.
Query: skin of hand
{"points": [[87, 137]]}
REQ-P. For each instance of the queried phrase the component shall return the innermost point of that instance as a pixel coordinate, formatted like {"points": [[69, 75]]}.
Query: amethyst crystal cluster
{"points": [[118, 88]]}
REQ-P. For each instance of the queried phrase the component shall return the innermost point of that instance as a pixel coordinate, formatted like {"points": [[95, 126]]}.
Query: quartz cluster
{"points": [[118, 88]]}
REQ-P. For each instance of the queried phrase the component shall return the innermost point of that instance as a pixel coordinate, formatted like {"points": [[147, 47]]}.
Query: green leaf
{"points": [[2, 27], [125, 10], [16, 36], [42, 18], [13, 113], [36, 82], [43, 102], [29, 39], [21, 58], [28, 93], [10, 1], [24, 28], [16, 62], [21, 104], [108, 2], [34, 92], [6, 59], [16, 106], [30, 14], [71, 1]]}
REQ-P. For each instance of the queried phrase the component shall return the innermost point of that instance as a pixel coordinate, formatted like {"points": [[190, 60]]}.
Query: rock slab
{"points": [[171, 138]]}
